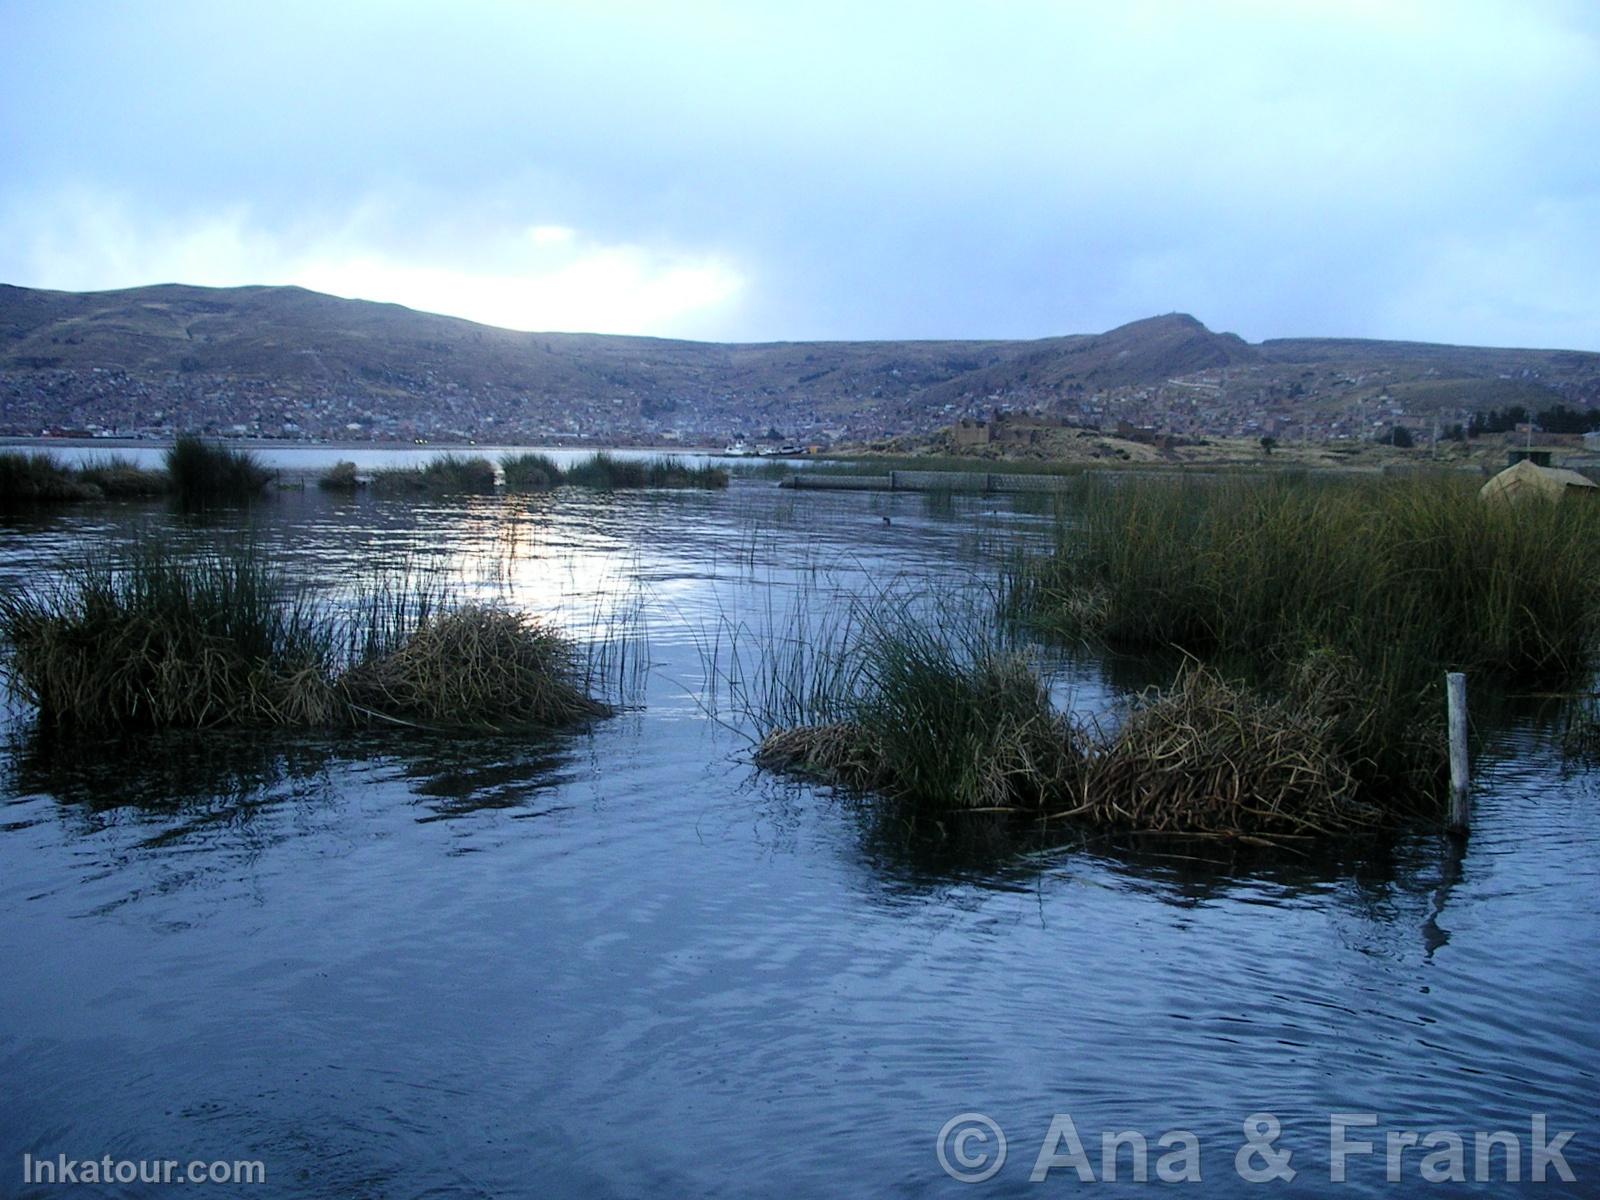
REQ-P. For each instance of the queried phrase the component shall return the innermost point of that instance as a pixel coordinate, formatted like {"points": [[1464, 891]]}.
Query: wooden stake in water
{"points": [[1460, 801]]}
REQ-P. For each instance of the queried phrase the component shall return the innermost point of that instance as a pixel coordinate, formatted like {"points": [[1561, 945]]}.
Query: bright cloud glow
{"points": [[543, 276]]}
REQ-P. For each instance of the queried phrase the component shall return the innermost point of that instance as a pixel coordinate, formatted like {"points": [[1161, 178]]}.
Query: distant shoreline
{"points": [[78, 443]]}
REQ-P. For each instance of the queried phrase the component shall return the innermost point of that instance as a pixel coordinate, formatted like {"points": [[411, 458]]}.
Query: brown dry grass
{"points": [[1205, 757], [476, 666], [1208, 756]]}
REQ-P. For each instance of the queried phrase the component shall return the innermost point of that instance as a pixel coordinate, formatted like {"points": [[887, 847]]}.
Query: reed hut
{"points": [[1527, 479]]}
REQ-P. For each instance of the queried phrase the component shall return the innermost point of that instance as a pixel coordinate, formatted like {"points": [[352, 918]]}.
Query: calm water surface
{"points": [[620, 962]]}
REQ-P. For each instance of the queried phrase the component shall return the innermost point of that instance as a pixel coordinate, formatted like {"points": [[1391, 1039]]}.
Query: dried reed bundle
{"points": [[477, 666], [1207, 756]]}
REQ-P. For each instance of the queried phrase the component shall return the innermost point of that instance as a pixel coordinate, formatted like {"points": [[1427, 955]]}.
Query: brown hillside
{"points": [[228, 356]]}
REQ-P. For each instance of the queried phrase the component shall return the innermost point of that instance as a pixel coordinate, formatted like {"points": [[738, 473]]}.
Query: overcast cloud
{"points": [[807, 170]]}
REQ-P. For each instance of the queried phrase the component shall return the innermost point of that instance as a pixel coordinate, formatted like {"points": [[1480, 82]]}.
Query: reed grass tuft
{"points": [[530, 472], [163, 640], [932, 729], [341, 477], [206, 473], [476, 666], [1209, 756], [448, 474]]}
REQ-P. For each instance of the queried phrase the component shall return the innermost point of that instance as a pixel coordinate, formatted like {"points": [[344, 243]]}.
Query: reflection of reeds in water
{"points": [[1581, 738], [239, 791], [219, 638], [223, 773]]}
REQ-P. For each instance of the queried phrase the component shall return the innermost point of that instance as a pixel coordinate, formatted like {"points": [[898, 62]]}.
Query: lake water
{"points": [[621, 962]]}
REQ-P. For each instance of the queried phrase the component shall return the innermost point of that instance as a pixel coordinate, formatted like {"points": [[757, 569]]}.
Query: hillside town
{"points": [[1224, 403]]}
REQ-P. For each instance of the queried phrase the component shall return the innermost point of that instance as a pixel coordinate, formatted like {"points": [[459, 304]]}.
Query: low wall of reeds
{"points": [[198, 472], [33, 476], [533, 472], [448, 474], [194, 471]]}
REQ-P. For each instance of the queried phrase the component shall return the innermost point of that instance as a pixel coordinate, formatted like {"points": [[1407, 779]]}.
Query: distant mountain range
{"points": [[283, 360]]}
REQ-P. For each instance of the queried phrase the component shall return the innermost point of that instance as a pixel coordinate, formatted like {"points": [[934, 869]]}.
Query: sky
{"points": [[785, 171]]}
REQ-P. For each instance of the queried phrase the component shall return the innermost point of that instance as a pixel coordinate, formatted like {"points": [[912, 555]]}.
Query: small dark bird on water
{"points": [[886, 521]]}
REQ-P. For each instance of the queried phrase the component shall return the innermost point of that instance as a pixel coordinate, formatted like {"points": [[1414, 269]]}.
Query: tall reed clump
{"points": [[163, 640], [1347, 598], [530, 472], [932, 719], [160, 640], [203, 472], [448, 474]]}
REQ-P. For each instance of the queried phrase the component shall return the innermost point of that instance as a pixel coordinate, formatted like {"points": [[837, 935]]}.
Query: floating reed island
{"points": [[168, 640], [1315, 620]]}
